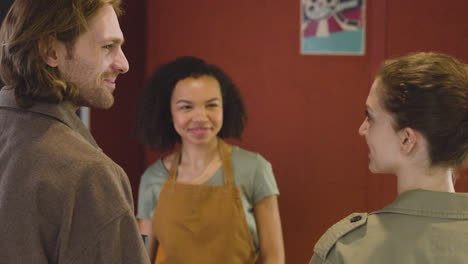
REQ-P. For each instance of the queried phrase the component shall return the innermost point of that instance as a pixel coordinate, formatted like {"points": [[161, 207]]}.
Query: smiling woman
{"points": [[381, 138], [416, 127], [218, 200], [197, 109]]}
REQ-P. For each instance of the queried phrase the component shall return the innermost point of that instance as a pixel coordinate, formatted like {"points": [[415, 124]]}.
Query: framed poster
{"points": [[334, 27]]}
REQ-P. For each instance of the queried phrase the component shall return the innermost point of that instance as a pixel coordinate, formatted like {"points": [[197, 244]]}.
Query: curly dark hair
{"points": [[429, 92], [154, 121]]}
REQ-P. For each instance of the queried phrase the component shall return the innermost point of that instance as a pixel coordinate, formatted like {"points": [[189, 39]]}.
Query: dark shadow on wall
{"points": [[4, 6]]}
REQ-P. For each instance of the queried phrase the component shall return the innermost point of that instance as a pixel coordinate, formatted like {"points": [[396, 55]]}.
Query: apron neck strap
{"points": [[174, 164], [227, 163], [223, 149]]}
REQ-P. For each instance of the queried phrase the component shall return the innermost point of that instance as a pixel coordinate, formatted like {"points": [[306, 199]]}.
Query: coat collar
{"points": [[62, 112], [429, 203]]}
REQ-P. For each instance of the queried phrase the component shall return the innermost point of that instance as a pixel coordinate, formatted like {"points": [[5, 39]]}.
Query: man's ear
{"points": [[408, 140], [48, 49]]}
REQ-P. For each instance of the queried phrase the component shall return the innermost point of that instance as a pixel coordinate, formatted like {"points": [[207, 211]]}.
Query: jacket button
{"points": [[356, 218]]}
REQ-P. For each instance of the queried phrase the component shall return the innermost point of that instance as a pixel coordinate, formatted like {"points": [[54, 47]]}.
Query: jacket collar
{"points": [[62, 112], [429, 203]]}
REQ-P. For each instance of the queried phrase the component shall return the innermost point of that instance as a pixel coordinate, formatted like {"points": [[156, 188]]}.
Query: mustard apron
{"points": [[201, 223]]}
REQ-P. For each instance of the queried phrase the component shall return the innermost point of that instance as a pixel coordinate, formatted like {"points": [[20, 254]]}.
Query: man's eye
{"points": [[109, 46]]}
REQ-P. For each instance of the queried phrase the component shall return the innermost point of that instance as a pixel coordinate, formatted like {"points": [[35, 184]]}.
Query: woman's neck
{"points": [[431, 179], [199, 156]]}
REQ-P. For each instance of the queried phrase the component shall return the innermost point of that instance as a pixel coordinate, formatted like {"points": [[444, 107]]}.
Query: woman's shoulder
{"points": [[345, 227], [166, 161], [254, 173], [246, 157], [156, 172]]}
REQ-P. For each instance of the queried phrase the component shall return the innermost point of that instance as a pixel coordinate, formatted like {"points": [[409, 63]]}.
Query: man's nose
{"points": [[121, 62]]}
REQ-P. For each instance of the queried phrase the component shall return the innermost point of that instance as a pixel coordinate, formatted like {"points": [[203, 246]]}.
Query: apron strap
{"points": [[174, 165], [227, 163], [223, 149]]}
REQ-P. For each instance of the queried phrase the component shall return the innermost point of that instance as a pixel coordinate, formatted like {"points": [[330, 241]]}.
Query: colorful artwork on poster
{"points": [[333, 27]]}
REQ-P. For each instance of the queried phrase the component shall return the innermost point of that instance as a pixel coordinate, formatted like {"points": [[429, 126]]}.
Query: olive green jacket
{"points": [[418, 227]]}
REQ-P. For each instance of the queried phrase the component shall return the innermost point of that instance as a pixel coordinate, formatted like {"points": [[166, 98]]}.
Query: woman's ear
{"points": [[48, 50], [408, 140]]}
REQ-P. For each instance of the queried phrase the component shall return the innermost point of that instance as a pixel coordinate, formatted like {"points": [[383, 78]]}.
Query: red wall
{"points": [[304, 111], [114, 129]]}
